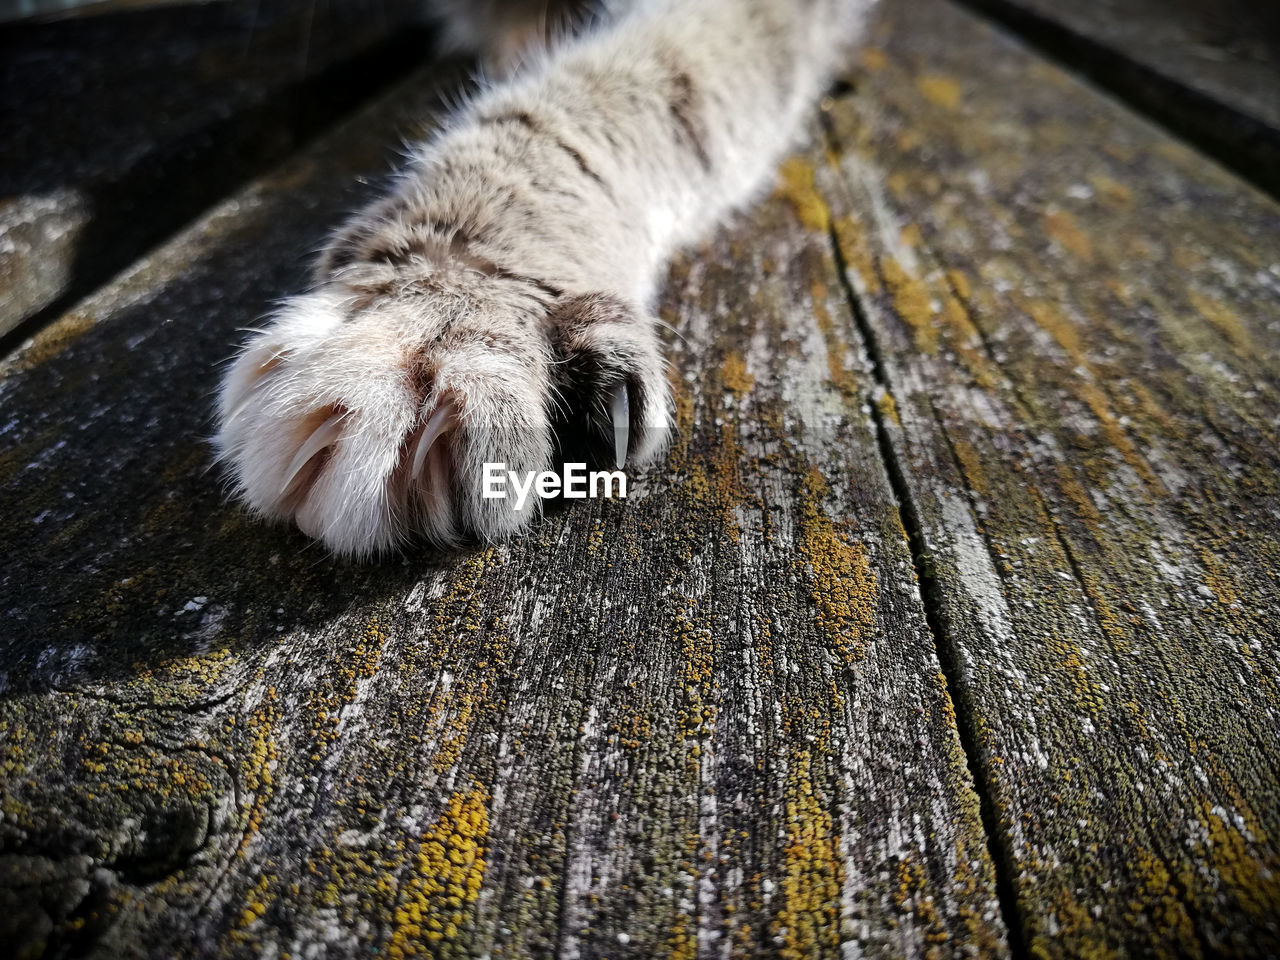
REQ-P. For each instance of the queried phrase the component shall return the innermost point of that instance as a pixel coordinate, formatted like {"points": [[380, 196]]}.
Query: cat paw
{"points": [[365, 412]]}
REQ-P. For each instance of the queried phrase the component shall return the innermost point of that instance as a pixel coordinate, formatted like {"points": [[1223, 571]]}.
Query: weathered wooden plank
{"points": [[1226, 50], [709, 720], [1079, 323], [119, 129], [1210, 71]]}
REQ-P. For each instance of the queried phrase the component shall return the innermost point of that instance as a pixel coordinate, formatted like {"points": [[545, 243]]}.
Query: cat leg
{"points": [[493, 307], [506, 33]]}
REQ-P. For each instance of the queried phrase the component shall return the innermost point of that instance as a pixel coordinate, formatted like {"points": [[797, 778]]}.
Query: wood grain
{"points": [[1224, 51], [708, 721], [986, 309], [1210, 72], [121, 127], [1078, 320]]}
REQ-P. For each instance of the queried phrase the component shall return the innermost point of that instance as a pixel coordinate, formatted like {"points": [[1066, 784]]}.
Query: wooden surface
{"points": [[121, 127], [711, 716], [1228, 50], [1210, 71], [1079, 323], [723, 718]]}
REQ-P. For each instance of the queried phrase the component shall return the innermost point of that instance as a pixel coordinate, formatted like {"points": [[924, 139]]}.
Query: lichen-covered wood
{"points": [[987, 309], [707, 721], [121, 127], [1225, 51], [1209, 71], [1078, 320]]}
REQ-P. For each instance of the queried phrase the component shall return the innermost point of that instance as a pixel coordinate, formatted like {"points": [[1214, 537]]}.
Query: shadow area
{"points": [[120, 545], [1233, 133], [148, 117]]}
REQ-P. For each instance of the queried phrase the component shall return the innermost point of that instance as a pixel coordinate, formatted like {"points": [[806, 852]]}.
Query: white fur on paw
{"points": [[366, 429], [365, 411]]}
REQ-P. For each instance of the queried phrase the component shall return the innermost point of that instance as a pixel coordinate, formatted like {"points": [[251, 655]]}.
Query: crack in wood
{"points": [[984, 784]]}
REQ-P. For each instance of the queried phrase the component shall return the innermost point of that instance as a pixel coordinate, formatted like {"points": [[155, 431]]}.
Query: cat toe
{"points": [[366, 445], [368, 428], [611, 376]]}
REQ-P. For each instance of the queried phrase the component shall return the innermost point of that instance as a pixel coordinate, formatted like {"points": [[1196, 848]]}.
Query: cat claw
{"points": [[439, 421], [620, 414], [324, 436]]}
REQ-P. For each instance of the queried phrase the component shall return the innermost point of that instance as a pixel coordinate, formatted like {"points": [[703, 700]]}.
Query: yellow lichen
{"points": [[837, 347], [796, 184], [808, 922], [1114, 433], [971, 465], [959, 281], [941, 90], [734, 374], [873, 58], [55, 338], [843, 586], [911, 302], [888, 408], [258, 774], [447, 873], [1062, 227], [912, 895], [855, 253], [255, 907], [1160, 903], [966, 340], [1051, 320], [1243, 859], [1220, 581], [1112, 191], [1226, 322]]}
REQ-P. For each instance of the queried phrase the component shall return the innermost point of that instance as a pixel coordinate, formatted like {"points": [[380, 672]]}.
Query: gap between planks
{"points": [[998, 848]]}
